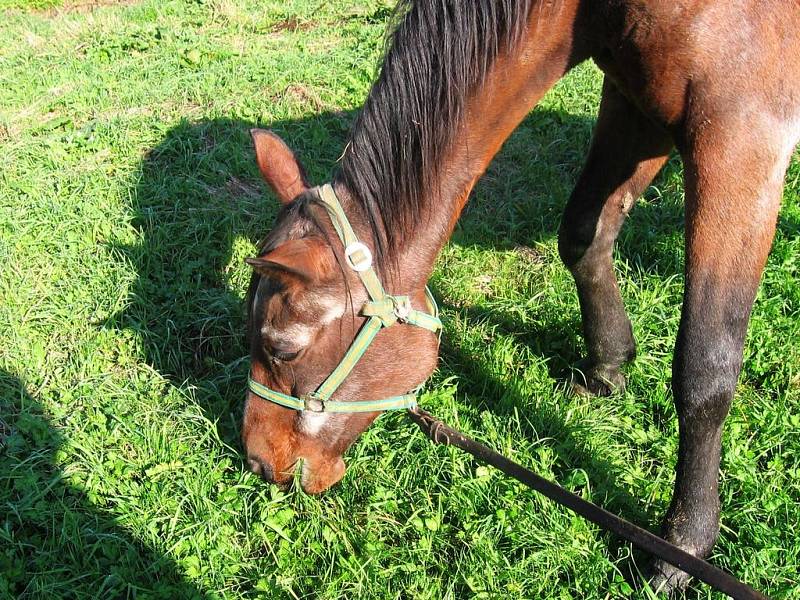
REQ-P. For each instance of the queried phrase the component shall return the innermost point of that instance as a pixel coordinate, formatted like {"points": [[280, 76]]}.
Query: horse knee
{"points": [[704, 379], [590, 227], [707, 395]]}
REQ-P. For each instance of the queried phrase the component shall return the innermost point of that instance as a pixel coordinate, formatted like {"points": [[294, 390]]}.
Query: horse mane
{"points": [[437, 52]]}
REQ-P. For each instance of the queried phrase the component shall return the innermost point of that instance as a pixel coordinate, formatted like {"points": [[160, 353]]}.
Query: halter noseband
{"points": [[382, 310]]}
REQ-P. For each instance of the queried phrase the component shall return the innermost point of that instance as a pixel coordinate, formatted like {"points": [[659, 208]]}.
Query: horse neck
{"points": [[515, 82]]}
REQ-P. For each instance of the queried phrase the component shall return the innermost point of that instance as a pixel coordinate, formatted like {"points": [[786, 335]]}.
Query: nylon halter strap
{"points": [[382, 310]]}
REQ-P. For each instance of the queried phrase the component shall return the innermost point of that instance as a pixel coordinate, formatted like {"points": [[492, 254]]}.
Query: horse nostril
{"points": [[261, 468]]}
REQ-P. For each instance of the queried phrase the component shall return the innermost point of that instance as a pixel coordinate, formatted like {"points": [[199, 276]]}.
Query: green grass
{"points": [[128, 201]]}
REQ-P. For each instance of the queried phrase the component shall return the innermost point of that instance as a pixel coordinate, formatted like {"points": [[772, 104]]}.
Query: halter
{"points": [[382, 310]]}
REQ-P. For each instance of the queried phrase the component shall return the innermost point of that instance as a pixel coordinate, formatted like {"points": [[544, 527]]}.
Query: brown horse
{"points": [[717, 79]]}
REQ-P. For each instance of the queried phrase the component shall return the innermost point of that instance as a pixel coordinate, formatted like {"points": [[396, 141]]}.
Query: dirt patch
{"points": [[78, 7], [529, 255], [292, 25], [304, 95], [239, 189], [483, 284]]}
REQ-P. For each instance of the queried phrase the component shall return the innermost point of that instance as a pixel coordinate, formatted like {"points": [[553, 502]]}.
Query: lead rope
{"points": [[440, 433]]}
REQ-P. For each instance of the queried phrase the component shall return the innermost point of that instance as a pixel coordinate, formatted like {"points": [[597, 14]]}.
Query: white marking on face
{"points": [[312, 423], [333, 309], [293, 336], [298, 335]]}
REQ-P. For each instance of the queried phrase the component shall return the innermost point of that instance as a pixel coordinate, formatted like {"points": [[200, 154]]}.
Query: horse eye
{"points": [[283, 355]]}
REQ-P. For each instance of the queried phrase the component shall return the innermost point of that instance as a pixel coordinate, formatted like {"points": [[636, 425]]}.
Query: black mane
{"points": [[437, 53]]}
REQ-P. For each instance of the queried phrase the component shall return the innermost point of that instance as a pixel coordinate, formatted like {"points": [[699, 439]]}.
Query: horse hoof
{"points": [[596, 380], [666, 579]]}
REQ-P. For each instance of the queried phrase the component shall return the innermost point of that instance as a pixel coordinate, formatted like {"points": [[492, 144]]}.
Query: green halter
{"points": [[382, 310]]}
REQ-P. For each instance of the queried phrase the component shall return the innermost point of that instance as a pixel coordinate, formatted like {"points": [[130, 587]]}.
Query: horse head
{"points": [[304, 314]]}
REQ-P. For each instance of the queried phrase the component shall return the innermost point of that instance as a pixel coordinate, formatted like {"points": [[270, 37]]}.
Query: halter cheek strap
{"points": [[382, 310]]}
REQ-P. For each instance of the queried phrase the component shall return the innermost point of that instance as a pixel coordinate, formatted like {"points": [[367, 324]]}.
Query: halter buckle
{"points": [[313, 403], [358, 256]]}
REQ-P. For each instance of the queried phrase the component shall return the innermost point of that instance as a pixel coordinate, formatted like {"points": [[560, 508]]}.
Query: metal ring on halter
{"points": [[313, 403], [362, 262], [402, 307]]}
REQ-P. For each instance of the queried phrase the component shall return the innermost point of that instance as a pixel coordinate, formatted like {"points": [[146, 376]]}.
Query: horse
{"points": [[718, 80]]}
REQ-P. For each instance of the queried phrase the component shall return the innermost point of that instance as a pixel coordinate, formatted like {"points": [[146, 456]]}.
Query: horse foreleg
{"points": [[734, 175], [627, 151]]}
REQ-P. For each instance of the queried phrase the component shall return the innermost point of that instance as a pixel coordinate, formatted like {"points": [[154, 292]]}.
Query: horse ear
{"points": [[311, 260], [279, 166]]}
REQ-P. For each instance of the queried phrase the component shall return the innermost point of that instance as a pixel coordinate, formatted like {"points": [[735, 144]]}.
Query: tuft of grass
{"points": [[129, 198]]}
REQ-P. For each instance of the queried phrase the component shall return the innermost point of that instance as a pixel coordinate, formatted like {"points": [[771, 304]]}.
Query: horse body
{"points": [[717, 80]]}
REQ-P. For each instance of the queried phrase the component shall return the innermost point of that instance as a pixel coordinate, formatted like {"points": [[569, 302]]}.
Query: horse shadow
{"points": [[200, 203], [52, 536]]}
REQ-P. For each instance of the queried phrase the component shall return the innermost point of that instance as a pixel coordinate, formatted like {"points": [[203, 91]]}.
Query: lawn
{"points": [[129, 198]]}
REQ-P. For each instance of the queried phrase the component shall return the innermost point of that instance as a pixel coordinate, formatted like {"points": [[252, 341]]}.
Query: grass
{"points": [[128, 201]]}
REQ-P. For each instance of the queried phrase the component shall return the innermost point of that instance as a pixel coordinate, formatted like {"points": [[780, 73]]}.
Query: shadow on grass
{"points": [[53, 539], [200, 200], [199, 197]]}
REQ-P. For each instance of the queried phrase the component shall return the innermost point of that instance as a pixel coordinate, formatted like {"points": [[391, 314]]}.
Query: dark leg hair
{"points": [[733, 188], [626, 153]]}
